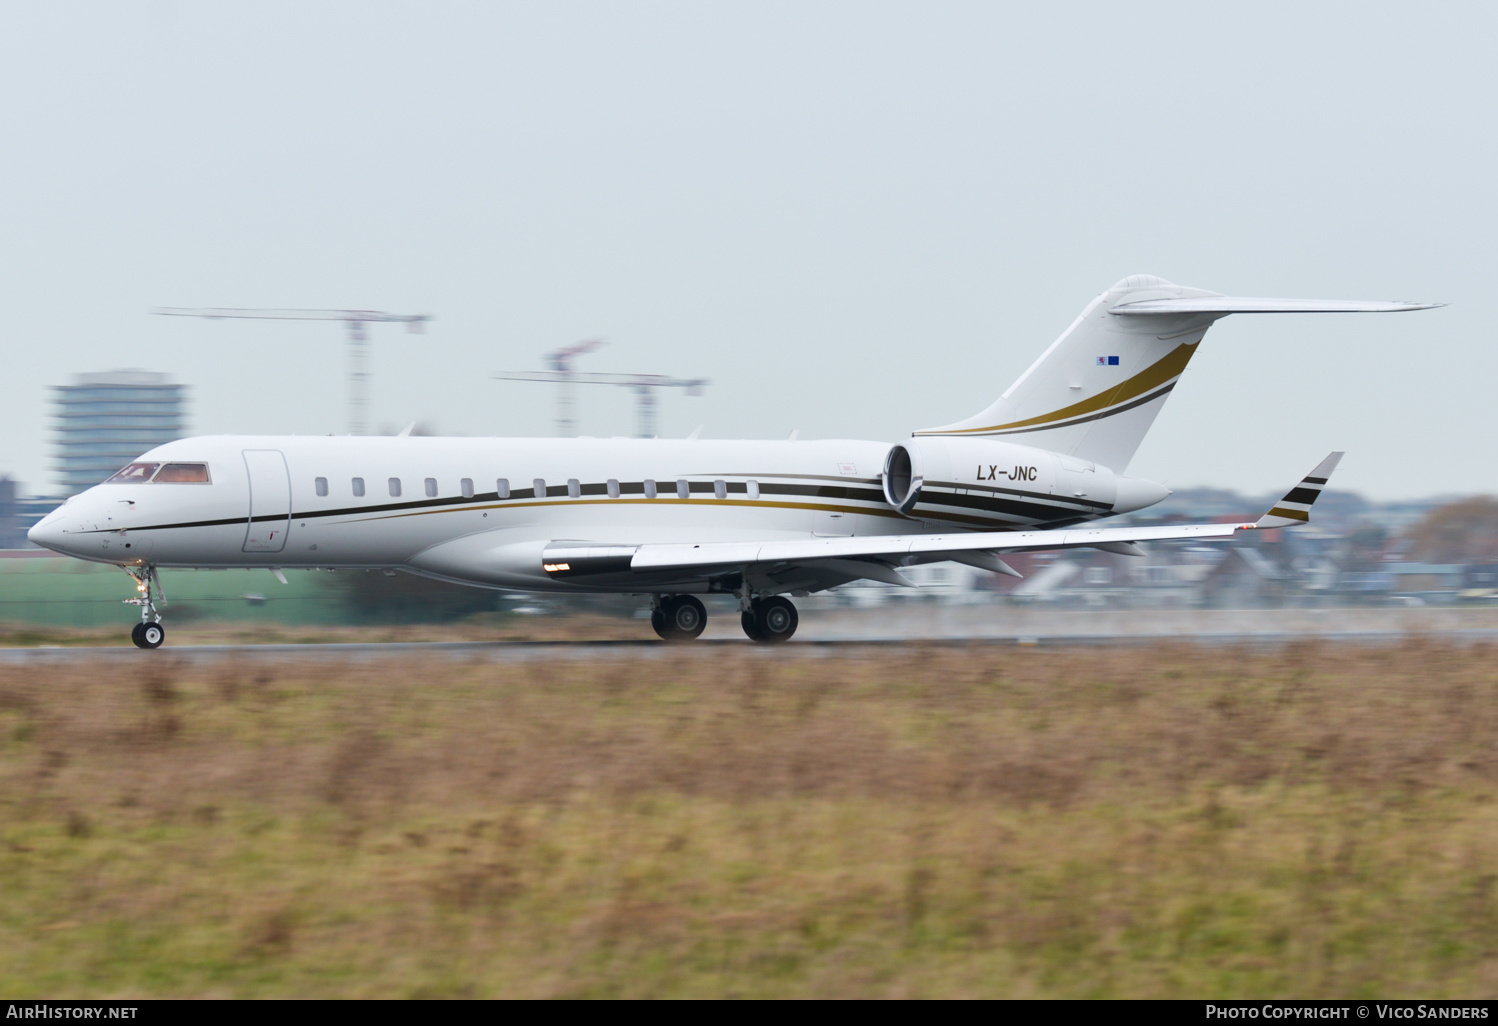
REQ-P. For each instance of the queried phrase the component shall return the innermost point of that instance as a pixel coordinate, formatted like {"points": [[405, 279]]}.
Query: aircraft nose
{"points": [[47, 532], [65, 528]]}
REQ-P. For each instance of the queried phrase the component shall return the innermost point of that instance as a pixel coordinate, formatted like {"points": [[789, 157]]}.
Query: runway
{"points": [[831, 632], [807, 647]]}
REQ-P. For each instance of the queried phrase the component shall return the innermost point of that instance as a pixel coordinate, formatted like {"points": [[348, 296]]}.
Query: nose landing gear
{"points": [[149, 633]]}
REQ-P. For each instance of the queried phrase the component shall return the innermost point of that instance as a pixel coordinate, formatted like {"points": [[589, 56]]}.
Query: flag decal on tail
{"points": [[1295, 507], [1107, 361]]}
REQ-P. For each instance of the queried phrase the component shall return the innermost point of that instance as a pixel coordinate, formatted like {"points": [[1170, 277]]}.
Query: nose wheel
{"points": [[148, 635]]}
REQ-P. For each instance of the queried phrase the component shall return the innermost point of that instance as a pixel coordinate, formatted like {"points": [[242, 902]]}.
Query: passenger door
{"points": [[270, 500]]}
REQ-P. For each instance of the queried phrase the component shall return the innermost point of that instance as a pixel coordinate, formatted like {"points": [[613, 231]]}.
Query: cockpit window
{"points": [[183, 473], [136, 473]]}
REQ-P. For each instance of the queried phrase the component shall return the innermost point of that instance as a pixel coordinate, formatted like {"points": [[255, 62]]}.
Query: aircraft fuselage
{"points": [[480, 510]]}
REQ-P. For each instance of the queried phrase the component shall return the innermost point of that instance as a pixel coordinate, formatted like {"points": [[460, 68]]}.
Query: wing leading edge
{"points": [[877, 558]]}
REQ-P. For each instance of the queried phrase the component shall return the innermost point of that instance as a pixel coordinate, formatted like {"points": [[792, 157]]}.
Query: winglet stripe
{"points": [[1295, 507], [1304, 516]]}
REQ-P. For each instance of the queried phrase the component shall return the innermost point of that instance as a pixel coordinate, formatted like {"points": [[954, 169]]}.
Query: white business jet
{"points": [[674, 519]]}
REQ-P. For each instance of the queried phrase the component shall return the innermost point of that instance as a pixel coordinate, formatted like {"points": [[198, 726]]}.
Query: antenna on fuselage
{"points": [[565, 378], [358, 339]]}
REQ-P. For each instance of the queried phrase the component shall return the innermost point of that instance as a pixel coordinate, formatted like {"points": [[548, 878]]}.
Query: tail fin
{"points": [[1095, 392]]}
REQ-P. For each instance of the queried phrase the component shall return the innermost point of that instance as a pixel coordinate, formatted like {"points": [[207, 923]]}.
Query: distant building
{"points": [[104, 421], [19, 512]]}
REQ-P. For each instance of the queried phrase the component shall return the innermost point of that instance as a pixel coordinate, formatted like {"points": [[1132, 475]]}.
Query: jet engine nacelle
{"points": [[948, 463]]}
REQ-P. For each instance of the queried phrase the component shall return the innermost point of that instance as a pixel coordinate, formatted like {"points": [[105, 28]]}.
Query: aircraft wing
{"points": [[877, 557]]}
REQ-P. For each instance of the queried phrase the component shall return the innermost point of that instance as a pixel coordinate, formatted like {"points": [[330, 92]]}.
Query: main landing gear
{"points": [[682, 618], [677, 617], [770, 620], [148, 633]]}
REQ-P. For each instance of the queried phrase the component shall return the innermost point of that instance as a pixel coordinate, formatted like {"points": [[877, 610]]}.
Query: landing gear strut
{"points": [[677, 618], [148, 633]]}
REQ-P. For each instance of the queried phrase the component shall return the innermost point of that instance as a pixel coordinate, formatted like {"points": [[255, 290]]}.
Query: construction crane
{"points": [[358, 339], [565, 378]]}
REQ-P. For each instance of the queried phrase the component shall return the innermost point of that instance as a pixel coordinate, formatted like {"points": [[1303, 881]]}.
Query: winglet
{"points": [[1295, 507]]}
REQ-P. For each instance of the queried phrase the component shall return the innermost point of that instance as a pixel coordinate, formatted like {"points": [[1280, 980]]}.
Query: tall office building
{"points": [[12, 534], [106, 420]]}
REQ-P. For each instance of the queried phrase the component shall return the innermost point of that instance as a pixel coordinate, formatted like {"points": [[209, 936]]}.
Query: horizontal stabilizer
{"points": [[1295, 507], [1240, 304]]}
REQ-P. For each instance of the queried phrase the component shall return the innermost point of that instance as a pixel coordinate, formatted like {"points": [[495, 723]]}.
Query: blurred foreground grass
{"points": [[1172, 821]]}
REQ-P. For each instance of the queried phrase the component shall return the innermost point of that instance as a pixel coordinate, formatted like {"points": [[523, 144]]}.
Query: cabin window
{"points": [[613, 488], [182, 473], [538, 487], [359, 487], [466, 487], [649, 488], [431, 484], [683, 489], [136, 473], [502, 488], [321, 485], [574, 487], [751, 488], [720, 489], [395, 487]]}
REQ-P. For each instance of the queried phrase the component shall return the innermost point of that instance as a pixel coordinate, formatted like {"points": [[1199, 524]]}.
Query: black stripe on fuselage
{"points": [[1023, 494], [996, 506]]}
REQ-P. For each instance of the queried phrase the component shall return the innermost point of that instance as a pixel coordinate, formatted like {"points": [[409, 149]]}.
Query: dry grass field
{"points": [[1167, 821]]}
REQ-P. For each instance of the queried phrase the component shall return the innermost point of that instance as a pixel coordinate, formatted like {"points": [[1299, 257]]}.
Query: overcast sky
{"points": [[858, 219]]}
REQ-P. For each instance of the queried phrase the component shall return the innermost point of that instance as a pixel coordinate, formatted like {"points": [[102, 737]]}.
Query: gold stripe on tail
{"points": [[1158, 373]]}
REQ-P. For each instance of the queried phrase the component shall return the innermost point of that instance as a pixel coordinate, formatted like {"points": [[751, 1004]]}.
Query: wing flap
{"points": [[896, 547]]}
